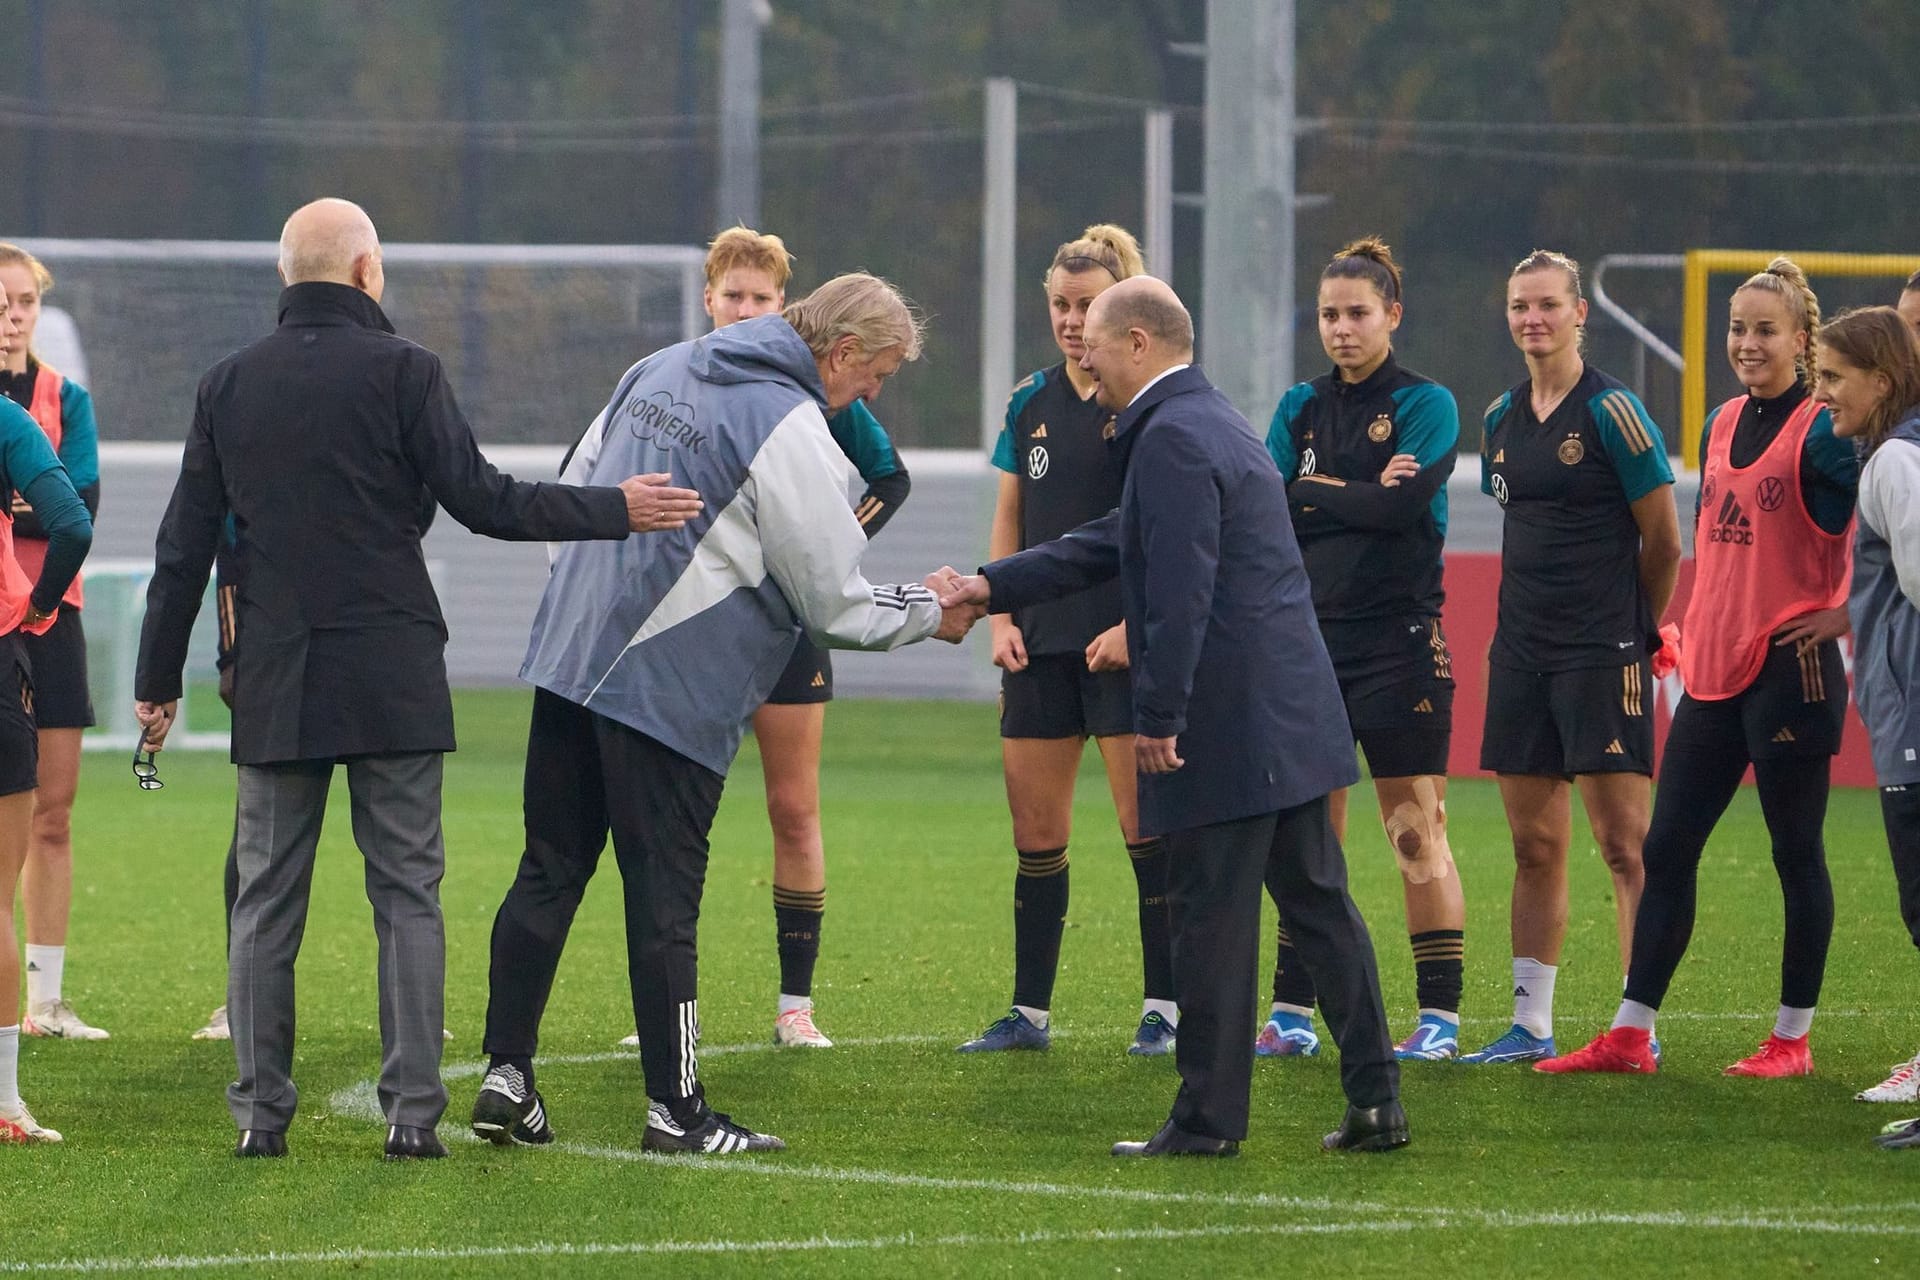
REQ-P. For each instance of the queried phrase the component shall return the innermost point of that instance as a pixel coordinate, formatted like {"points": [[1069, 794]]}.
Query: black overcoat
{"points": [[328, 443]]}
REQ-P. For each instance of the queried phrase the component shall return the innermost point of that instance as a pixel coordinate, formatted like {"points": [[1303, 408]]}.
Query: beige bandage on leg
{"points": [[1418, 830]]}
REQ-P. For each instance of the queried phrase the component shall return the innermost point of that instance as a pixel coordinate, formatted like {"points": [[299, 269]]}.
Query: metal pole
{"points": [[689, 223], [257, 215], [739, 193], [1157, 179], [35, 212], [996, 257], [1247, 305]]}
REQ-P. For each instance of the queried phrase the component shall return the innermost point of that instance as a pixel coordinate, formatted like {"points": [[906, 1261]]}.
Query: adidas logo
{"points": [[819, 680], [1424, 706], [1785, 735], [1731, 526], [1615, 749], [1039, 432], [1499, 456], [1521, 993], [32, 967]]}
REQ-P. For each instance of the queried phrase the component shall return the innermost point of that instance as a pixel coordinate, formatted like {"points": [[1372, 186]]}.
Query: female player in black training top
{"points": [[1065, 662], [1366, 450], [1589, 552]]}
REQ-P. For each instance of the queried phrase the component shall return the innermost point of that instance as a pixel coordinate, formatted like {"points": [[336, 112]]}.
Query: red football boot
{"points": [[1626, 1050], [1776, 1056]]}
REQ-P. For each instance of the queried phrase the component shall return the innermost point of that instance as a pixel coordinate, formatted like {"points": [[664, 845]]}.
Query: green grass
{"points": [[904, 1155]]}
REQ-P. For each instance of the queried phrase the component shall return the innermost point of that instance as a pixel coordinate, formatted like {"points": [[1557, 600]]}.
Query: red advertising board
{"points": [[1473, 591]]}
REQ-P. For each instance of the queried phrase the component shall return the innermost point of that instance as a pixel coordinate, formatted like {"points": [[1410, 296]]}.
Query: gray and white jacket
{"points": [[682, 635], [1885, 605]]}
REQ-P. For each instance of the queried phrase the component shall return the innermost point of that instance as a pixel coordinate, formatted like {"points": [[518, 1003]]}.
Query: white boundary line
{"points": [[357, 1101], [564, 1249], [360, 1100]]}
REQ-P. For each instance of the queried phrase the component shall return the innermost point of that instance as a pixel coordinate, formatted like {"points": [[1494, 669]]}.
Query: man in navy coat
{"points": [[1240, 729]]}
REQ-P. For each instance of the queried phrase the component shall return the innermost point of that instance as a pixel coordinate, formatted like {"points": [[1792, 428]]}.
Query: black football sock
{"points": [[1292, 984], [1149, 860], [1039, 917], [796, 916], [1439, 963]]}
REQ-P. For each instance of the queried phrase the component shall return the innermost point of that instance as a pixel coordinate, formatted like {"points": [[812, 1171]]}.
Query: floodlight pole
{"points": [[997, 225], [738, 198], [1246, 323], [1157, 179], [38, 144]]}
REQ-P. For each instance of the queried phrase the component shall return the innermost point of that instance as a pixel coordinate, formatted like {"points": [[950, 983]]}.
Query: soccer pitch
{"points": [[905, 1157]]}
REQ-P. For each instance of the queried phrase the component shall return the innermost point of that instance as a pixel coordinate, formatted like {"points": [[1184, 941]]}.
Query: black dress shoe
{"points": [[405, 1142], [261, 1142], [1380, 1128], [1171, 1141]]}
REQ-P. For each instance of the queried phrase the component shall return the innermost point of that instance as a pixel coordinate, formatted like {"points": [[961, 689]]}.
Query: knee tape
{"points": [[1417, 829]]}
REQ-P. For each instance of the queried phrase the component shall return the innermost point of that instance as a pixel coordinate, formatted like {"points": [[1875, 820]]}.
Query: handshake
{"points": [[963, 601]]}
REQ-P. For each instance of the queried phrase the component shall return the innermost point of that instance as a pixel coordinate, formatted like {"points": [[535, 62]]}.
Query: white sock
{"points": [[45, 965], [1301, 1010], [1791, 1024], [1165, 1008], [1449, 1016], [9, 1067], [789, 1003], [1038, 1017], [1533, 995], [1634, 1014]]}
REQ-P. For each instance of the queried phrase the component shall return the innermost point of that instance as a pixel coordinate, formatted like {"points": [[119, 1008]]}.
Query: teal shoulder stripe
{"points": [[1280, 443], [1491, 415]]}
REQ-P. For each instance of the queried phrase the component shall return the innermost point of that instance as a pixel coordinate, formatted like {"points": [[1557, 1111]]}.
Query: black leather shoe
{"points": [[260, 1142], [405, 1142], [1380, 1128], [1178, 1142]]}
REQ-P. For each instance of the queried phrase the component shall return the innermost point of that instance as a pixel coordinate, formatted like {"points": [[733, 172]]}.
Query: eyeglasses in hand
{"points": [[145, 771]]}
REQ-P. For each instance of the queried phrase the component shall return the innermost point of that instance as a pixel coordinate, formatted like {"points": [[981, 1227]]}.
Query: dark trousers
{"points": [[1696, 787], [1900, 808], [587, 775], [396, 823], [1214, 875]]}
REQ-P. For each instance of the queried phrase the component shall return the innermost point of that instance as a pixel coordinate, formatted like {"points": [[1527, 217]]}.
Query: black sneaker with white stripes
{"points": [[713, 1134], [507, 1111]]}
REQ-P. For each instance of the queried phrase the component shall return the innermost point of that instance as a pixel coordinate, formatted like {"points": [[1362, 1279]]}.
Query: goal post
{"points": [[1699, 264]]}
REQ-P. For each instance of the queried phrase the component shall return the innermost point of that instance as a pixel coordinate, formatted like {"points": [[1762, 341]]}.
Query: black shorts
{"points": [[1398, 694], [19, 736], [1057, 697], [1561, 724], [1795, 708], [808, 678], [59, 657]]}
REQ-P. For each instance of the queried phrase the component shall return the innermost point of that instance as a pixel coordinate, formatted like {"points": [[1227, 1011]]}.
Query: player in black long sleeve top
{"points": [[1366, 450]]}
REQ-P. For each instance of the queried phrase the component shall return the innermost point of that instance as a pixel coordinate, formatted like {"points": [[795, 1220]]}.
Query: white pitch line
{"points": [[761, 1166], [810, 1244], [1499, 1220], [361, 1100]]}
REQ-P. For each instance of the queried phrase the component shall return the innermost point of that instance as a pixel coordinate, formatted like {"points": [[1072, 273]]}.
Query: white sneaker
{"points": [[1902, 1086], [630, 1042], [216, 1028], [18, 1125], [56, 1018], [795, 1028]]}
